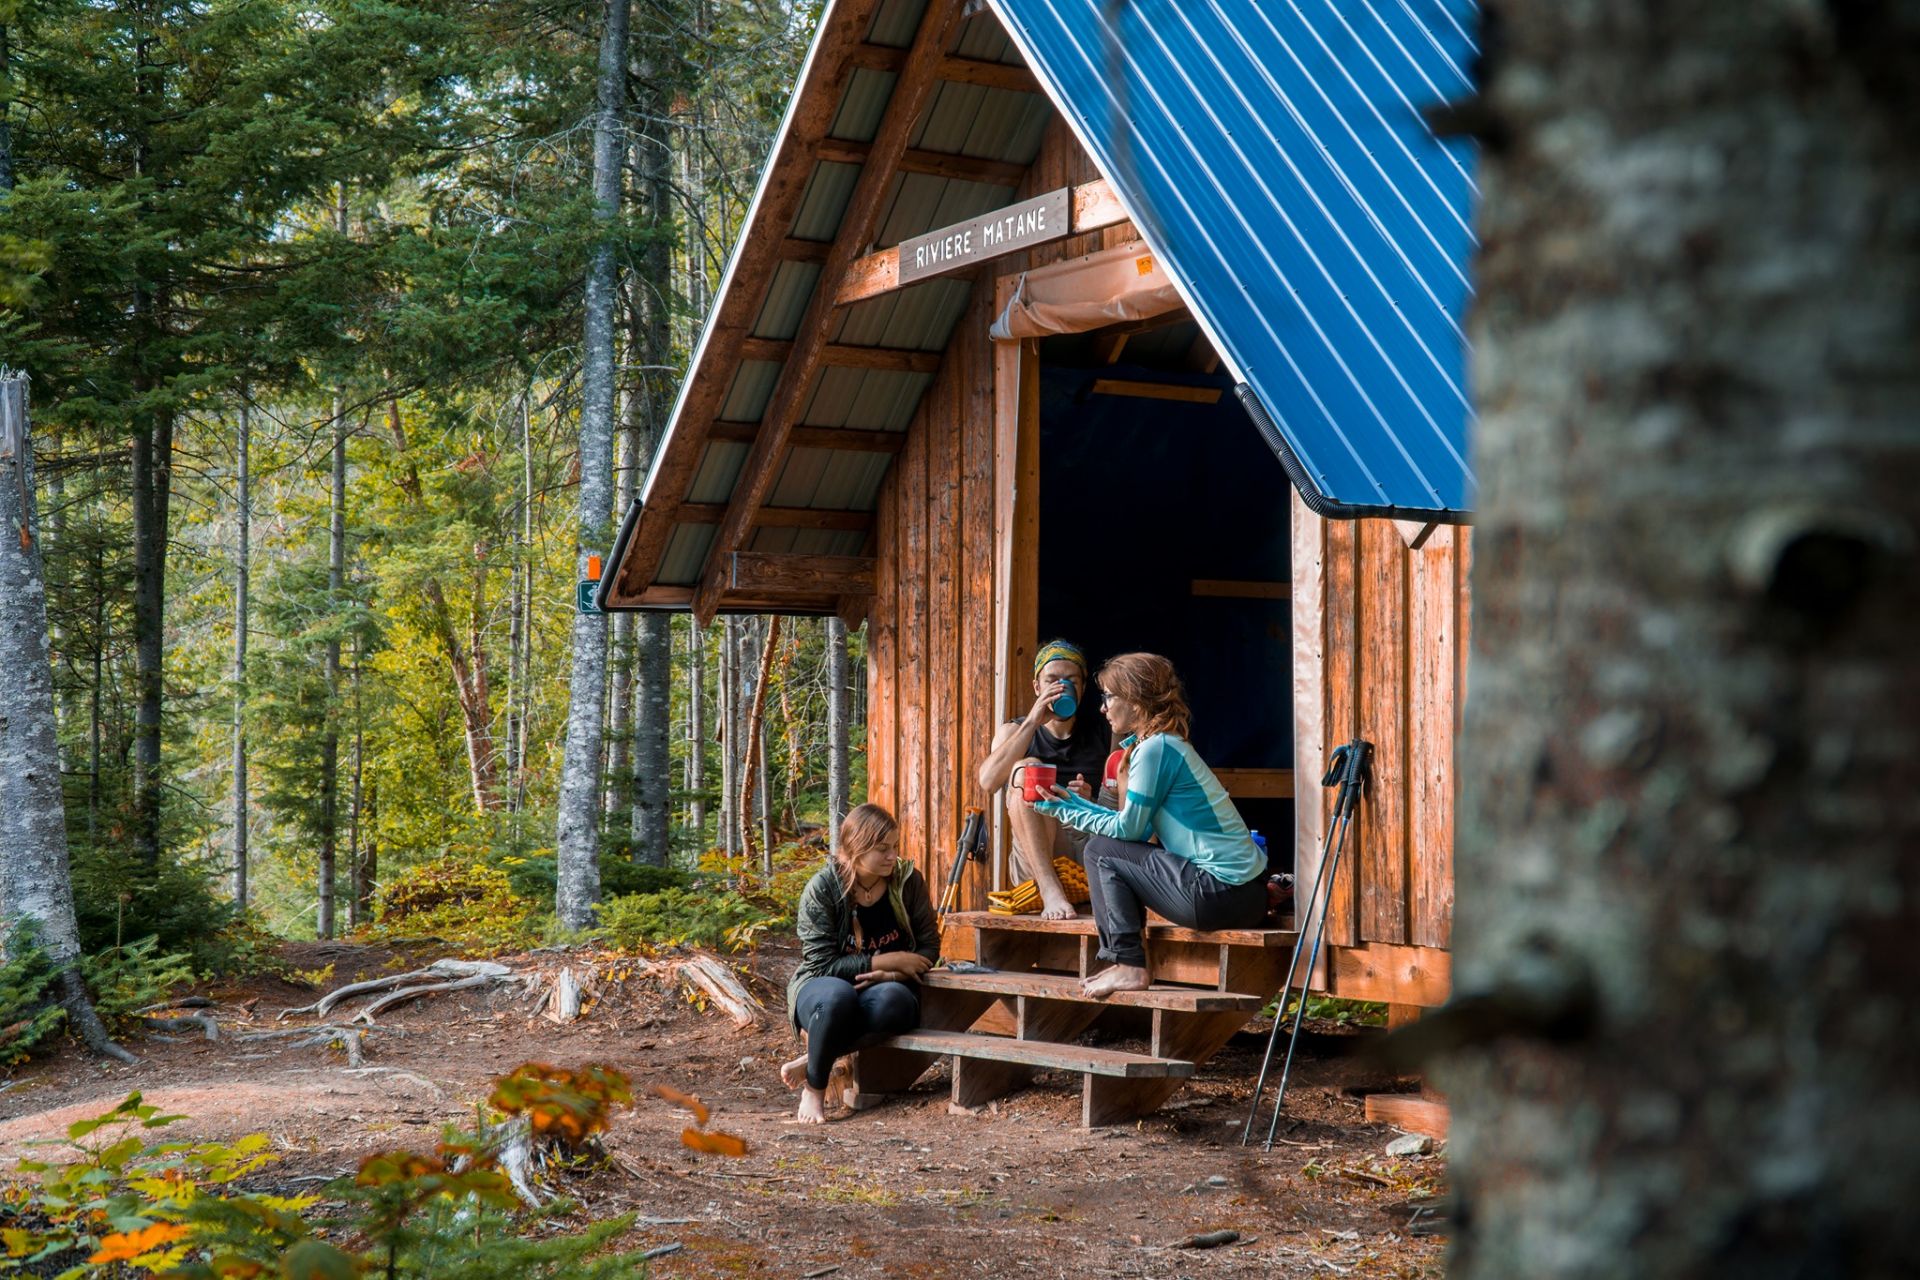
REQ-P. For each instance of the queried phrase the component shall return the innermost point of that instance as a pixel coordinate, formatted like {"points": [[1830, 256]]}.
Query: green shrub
{"points": [[458, 899], [27, 1013], [117, 897], [684, 917], [125, 979], [534, 878]]}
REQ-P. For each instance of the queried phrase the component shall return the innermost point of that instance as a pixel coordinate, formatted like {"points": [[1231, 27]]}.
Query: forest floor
{"points": [[909, 1189]]}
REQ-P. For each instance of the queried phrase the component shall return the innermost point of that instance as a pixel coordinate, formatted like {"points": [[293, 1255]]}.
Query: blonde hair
{"points": [[866, 827], [1149, 682]]}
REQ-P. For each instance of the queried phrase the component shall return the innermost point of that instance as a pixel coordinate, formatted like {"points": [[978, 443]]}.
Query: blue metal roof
{"points": [[1274, 154]]}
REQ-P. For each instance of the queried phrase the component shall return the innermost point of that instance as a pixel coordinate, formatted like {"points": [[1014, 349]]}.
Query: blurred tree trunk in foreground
{"points": [[1688, 891]]}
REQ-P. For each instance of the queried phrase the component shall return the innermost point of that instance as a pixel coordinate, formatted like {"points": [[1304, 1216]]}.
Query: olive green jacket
{"points": [[825, 924]]}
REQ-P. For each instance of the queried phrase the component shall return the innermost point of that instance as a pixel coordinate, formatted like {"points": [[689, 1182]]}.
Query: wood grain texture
{"points": [[883, 652], [1382, 860], [916, 717], [1433, 610], [1342, 667]]}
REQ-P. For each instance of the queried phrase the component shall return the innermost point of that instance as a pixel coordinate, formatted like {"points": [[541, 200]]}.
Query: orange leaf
{"points": [[713, 1142], [124, 1245], [687, 1100]]}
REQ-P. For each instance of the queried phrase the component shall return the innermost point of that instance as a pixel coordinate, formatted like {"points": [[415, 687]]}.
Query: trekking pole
{"points": [[973, 845], [1349, 767]]}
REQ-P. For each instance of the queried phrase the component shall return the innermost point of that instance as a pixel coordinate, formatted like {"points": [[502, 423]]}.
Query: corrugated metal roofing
{"points": [[1274, 154]]}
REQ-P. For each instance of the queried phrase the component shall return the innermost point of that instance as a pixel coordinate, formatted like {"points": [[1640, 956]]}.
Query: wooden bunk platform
{"points": [[1027, 1014]]}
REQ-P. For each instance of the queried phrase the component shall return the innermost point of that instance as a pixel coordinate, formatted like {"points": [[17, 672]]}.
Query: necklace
{"points": [[866, 893]]}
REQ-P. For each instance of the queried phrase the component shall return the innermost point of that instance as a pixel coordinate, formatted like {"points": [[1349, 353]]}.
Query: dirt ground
{"points": [[907, 1189]]}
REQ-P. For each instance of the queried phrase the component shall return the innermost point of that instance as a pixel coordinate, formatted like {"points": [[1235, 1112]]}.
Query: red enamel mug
{"points": [[1038, 783]]}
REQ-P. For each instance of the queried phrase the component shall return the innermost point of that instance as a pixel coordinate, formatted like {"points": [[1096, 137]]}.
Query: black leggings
{"points": [[1124, 878], [834, 1013]]}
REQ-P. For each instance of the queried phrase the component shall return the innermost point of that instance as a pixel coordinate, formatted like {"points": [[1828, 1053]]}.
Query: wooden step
{"points": [[1040, 1054], [1157, 929], [1054, 986]]}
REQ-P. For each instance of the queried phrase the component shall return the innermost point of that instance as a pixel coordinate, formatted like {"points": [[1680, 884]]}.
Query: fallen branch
{"points": [[368, 1014], [565, 1004], [202, 1022], [722, 986], [438, 969]]}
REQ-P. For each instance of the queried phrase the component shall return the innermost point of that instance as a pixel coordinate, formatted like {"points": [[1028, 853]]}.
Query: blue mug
{"points": [[1066, 704]]}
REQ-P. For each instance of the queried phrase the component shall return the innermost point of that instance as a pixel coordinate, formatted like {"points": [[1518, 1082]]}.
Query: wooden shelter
{"points": [[968, 382]]}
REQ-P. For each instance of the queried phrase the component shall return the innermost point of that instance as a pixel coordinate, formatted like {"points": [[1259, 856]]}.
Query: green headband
{"points": [[1055, 650]]}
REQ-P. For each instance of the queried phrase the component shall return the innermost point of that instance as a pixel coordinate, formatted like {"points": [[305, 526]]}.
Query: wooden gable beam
{"points": [[760, 244], [1093, 206], [895, 359], [845, 439], [952, 68], [783, 517], [939, 164], [910, 94], [769, 573]]}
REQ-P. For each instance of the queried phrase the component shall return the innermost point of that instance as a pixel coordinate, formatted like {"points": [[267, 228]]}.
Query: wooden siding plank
{"points": [[1309, 694], [883, 653], [846, 439], [1431, 628], [775, 573], [945, 749], [1383, 721], [979, 712], [1343, 711], [915, 717]]}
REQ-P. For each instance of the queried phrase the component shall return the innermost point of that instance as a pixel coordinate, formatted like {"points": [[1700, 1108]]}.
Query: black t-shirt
{"points": [[879, 930], [1084, 751]]}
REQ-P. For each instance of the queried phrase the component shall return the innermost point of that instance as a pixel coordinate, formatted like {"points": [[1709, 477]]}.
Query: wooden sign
{"points": [[1008, 230]]}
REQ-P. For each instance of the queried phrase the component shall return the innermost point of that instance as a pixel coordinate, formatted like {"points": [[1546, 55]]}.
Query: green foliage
{"points": [[120, 1199], [27, 1014], [1342, 1012], [459, 900], [132, 977], [535, 877], [116, 898], [698, 917]]}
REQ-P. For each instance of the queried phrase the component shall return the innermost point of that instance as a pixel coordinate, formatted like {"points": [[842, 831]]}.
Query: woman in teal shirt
{"points": [[1205, 872]]}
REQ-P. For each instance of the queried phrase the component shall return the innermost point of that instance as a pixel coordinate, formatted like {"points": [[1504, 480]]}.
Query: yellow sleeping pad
{"points": [[1024, 898]]}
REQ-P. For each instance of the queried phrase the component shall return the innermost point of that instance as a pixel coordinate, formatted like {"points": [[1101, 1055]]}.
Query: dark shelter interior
{"points": [[1164, 526]]}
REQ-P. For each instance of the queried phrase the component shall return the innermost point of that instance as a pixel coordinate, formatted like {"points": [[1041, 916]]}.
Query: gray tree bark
{"points": [[243, 568], [728, 686], [696, 729], [336, 591], [1687, 883], [620, 793], [35, 884], [577, 841], [838, 775]]}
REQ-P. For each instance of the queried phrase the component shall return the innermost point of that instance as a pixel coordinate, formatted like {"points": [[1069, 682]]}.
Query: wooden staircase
{"points": [[1028, 1014]]}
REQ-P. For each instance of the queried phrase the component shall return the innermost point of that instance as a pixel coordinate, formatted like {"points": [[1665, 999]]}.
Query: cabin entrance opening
{"points": [[1164, 525]]}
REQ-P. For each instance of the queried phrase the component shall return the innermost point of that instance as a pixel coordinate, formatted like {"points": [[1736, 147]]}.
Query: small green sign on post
{"points": [[585, 599]]}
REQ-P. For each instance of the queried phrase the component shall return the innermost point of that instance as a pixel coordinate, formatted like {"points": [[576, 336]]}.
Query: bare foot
{"points": [[1120, 977], [813, 1107], [1054, 906], [794, 1073]]}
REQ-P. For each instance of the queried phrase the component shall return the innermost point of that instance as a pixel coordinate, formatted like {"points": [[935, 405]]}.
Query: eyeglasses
{"points": [[1108, 699]]}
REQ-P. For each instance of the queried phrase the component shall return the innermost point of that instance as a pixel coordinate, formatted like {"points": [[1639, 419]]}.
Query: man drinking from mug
{"points": [[1066, 730]]}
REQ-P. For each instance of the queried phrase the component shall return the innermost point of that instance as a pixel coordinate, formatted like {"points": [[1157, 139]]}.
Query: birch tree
{"points": [[1687, 884], [577, 841], [35, 885]]}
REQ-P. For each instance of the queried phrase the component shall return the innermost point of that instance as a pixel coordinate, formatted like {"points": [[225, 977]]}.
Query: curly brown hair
{"points": [[1150, 683]]}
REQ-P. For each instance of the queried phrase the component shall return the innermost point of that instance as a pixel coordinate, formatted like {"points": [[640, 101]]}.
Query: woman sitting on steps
{"points": [[867, 932], [1205, 872]]}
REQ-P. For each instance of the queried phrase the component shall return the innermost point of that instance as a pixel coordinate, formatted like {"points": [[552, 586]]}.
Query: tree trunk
{"points": [[838, 777], [729, 833], [755, 745], [793, 729], [1686, 877], [34, 880], [357, 902], [336, 592], [243, 517], [651, 293], [577, 842], [621, 798], [696, 730], [152, 480]]}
